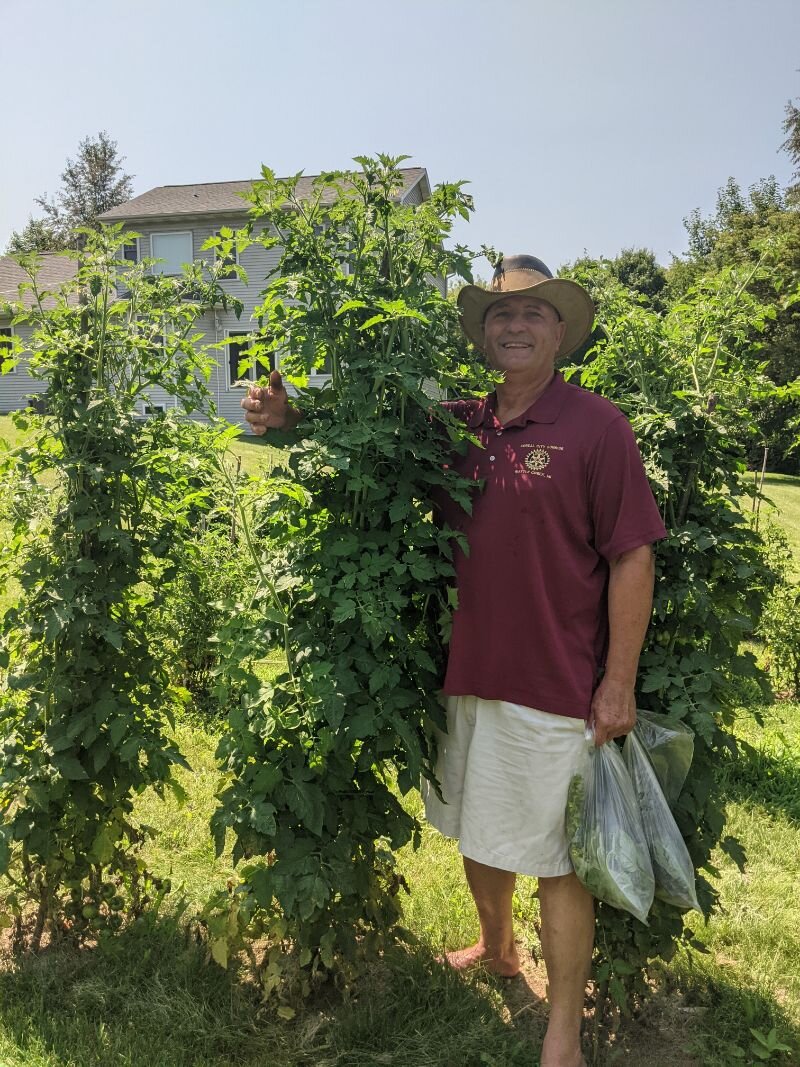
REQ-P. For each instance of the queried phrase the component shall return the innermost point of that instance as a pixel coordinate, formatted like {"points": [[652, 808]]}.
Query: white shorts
{"points": [[504, 771]]}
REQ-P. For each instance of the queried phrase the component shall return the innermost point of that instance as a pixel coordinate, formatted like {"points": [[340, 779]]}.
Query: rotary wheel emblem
{"points": [[537, 459]]}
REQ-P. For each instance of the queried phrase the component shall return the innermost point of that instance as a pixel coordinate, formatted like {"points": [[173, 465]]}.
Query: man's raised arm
{"points": [[268, 407]]}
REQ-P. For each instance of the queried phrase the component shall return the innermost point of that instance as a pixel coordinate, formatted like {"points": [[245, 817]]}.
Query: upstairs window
{"points": [[237, 351], [174, 249]]}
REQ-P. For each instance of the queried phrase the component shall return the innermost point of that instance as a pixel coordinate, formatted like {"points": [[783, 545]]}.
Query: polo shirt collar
{"points": [[545, 409]]}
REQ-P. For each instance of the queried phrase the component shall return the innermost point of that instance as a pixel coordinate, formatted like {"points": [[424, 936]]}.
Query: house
{"points": [[174, 222], [16, 385]]}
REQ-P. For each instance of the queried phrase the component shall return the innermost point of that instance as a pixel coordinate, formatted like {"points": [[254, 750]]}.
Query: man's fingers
{"points": [[275, 382]]}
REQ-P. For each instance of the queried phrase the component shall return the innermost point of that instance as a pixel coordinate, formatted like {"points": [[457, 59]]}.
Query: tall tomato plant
{"points": [[85, 696], [687, 380], [354, 580]]}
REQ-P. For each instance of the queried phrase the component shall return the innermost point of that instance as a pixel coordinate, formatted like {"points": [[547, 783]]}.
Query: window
{"points": [[174, 249], [237, 349], [130, 251], [154, 409], [233, 256], [6, 345]]}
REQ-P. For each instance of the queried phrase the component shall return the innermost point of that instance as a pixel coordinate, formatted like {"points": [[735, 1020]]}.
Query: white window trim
{"points": [[149, 408], [170, 233], [11, 334]]}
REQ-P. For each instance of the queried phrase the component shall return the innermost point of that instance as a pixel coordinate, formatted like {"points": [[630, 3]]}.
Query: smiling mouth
{"points": [[516, 344]]}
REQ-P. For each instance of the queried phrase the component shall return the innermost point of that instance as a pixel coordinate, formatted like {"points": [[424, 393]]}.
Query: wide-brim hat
{"points": [[528, 276]]}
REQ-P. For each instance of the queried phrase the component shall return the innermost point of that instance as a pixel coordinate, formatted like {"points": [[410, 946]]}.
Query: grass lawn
{"points": [[782, 505], [149, 999], [10, 436]]}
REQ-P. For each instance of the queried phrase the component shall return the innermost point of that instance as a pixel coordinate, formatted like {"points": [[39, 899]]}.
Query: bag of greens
{"points": [[672, 865], [670, 746], [607, 844]]}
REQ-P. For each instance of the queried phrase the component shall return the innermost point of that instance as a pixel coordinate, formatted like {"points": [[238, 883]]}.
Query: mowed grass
{"points": [[10, 435], [782, 505], [151, 999]]}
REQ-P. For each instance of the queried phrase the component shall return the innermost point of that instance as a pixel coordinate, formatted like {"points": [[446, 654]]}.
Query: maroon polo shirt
{"points": [[564, 492]]}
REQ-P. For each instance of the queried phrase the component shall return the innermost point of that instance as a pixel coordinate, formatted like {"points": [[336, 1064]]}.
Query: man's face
{"points": [[522, 333]]}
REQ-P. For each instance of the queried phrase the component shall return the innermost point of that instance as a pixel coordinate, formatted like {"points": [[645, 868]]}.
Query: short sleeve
{"points": [[624, 512]]}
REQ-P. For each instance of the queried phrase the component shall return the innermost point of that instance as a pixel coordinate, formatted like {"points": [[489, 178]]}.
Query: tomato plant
{"points": [[86, 696], [353, 584], [687, 379]]}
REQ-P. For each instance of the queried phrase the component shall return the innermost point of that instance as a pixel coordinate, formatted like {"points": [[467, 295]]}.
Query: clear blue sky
{"points": [[581, 124]]}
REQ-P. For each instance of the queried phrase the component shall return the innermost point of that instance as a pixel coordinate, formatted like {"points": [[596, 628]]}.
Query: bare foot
{"points": [[553, 1057], [550, 1062], [463, 959]]}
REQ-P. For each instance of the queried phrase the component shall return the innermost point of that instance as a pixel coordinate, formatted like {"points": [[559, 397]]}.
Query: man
{"points": [[554, 599]]}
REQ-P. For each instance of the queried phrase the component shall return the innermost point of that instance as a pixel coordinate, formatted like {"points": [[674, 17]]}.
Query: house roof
{"points": [[55, 269], [219, 198]]}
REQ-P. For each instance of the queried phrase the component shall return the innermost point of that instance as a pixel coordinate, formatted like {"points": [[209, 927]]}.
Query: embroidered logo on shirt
{"points": [[538, 459]]}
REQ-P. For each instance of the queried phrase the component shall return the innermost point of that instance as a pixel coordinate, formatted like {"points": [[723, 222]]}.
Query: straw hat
{"points": [[528, 276]]}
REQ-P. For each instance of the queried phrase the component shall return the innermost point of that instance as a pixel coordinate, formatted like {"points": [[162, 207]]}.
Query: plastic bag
{"points": [[672, 864], [607, 844], [670, 746]]}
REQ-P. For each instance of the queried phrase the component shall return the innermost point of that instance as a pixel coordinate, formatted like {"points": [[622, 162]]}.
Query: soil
{"points": [[658, 1038]]}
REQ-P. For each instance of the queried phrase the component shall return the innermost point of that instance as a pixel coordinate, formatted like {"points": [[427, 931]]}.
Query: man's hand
{"points": [[613, 710], [269, 408], [630, 598]]}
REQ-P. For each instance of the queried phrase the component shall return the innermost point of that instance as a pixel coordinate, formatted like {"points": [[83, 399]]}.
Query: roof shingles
{"points": [[55, 269], [213, 198]]}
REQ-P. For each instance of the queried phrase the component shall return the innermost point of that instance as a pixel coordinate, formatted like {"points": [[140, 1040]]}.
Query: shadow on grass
{"points": [[147, 999], [722, 1015], [782, 479], [763, 776]]}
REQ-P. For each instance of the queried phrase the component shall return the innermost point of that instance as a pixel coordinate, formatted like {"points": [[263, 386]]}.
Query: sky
{"points": [[582, 126]]}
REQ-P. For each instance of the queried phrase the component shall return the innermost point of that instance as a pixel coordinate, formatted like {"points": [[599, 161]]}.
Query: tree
{"points": [[762, 225], [90, 184], [791, 127], [636, 268], [37, 236]]}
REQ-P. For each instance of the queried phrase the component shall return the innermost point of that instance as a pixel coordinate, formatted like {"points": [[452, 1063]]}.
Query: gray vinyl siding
{"points": [[255, 260], [17, 385], [414, 195]]}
